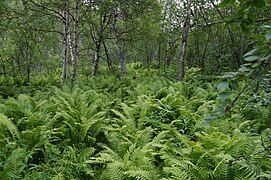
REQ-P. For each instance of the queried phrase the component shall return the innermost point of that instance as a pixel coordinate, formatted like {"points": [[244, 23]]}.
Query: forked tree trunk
{"points": [[186, 27], [98, 39], [66, 42]]}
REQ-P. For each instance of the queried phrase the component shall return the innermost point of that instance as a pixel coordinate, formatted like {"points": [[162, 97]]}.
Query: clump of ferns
{"points": [[127, 159]]}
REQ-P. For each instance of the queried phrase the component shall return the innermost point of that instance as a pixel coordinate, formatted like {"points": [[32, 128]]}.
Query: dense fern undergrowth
{"points": [[143, 126]]}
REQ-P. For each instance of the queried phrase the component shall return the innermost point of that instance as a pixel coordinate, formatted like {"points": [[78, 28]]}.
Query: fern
{"points": [[142, 128], [15, 164], [4, 121]]}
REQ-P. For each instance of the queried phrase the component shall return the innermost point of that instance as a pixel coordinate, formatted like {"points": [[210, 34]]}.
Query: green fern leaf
{"points": [[4, 121]]}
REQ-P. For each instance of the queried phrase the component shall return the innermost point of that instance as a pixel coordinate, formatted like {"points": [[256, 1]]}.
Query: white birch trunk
{"points": [[75, 41], [120, 52], [66, 42], [186, 27]]}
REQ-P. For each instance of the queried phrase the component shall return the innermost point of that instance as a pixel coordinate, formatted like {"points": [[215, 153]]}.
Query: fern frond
{"points": [[4, 121], [223, 168], [266, 174], [113, 171], [177, 173], [140, 175], [246, 170], [15, 164]]}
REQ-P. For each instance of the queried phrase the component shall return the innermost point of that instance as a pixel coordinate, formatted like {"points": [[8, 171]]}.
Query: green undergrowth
{"points": [[143, 126]]}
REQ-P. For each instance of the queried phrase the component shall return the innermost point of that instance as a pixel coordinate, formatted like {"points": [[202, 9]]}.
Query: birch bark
{"points": [[186, 27]]}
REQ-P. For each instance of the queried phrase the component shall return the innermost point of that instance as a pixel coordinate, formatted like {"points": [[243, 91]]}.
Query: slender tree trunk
{"points": [[108, 59], [96, 59], [66, 42], [197, 47], [98, 39], [120, 52], [161, 37], [186, 27], [98, 43], [75, 44], [70, 42]]}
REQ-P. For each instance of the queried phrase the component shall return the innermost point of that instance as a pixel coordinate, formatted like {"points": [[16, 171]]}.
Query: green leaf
{"points": [[244, 69], [267, 26], [222, 85], [229, 75], [251, 52], [224, 95], [259, 3], [266, 58], [251, 58]]}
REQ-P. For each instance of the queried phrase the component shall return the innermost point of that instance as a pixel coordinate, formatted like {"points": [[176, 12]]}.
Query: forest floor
{"points": [[143, 126]]}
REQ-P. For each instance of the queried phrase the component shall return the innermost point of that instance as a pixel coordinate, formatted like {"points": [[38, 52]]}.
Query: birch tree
{"points": [[186, 26]]}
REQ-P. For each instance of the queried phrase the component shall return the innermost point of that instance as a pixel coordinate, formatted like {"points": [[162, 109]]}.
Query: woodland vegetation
{"points": [[135, 89]]}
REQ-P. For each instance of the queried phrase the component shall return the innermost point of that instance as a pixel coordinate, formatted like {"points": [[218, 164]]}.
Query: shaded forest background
{"points": [[86, 38]]}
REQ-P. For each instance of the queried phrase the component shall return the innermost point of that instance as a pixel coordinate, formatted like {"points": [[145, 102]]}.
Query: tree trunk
{"points": [[197, 41], [120, 52], [75, 44], [66, 42], [108, 59], [70, 42], [186, 27], [96, 59]]}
